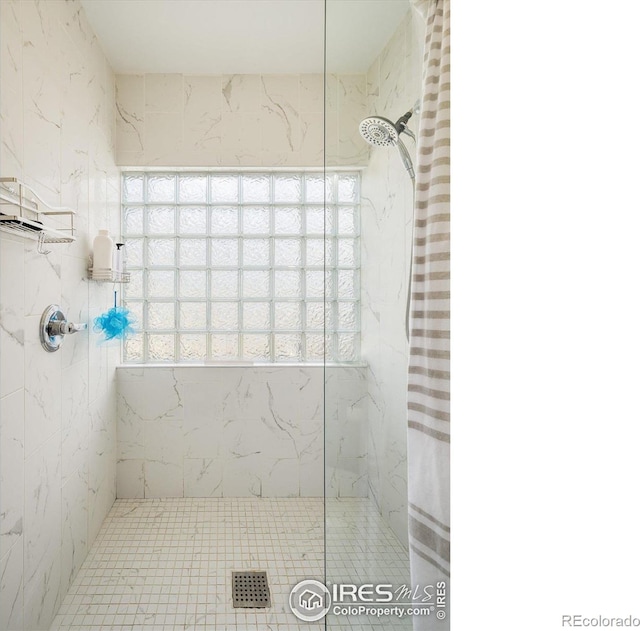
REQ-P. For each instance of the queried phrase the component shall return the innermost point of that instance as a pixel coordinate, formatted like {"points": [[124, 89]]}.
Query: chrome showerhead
{"points": [[379, 131]]}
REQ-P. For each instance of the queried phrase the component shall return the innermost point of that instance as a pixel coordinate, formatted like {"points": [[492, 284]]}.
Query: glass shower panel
{"points": [[372, 72]]}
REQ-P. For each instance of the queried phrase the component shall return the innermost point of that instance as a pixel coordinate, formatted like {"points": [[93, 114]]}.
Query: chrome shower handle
{"points": [[65, 328], [54, 326], [75, 327]]}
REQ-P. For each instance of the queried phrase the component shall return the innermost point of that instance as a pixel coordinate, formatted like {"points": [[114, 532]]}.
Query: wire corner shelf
{"points": [[24, 213], [108, 276]]}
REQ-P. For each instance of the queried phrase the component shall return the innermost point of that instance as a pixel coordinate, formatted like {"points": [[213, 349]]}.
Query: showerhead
{"points": [[379, 131]]}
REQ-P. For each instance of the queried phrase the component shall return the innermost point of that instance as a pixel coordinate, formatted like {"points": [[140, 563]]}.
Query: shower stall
{"points": [[251, 433]]}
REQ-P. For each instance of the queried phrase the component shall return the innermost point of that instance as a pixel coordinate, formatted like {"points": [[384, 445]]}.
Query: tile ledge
{"points": [[133, 366]]}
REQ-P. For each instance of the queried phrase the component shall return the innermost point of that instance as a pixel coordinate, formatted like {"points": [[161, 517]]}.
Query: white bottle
{"points": [[102, 252]]}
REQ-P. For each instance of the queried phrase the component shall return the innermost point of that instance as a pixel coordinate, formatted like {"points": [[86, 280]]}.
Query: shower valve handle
{"points": [[54, 326], [66, 328]]}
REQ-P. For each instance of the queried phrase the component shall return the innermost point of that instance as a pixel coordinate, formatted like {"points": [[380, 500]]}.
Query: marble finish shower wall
{"points": [[57, 411], [240, 431], [239, 120], [393, 86]]}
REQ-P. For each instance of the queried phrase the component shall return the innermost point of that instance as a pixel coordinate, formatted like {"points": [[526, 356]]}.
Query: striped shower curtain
{"points": [[428, 396]]}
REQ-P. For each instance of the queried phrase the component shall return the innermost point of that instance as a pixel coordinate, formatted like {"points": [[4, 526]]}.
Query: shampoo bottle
{"points": [[102, 252]]}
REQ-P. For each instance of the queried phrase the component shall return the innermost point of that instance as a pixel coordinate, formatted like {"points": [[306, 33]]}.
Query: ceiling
{"points": [[242, 36]]}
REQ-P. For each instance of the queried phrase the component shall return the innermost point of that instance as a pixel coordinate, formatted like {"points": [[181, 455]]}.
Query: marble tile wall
{"points": [[393, 86], [240, 431], [57, 411], [239, 120]]}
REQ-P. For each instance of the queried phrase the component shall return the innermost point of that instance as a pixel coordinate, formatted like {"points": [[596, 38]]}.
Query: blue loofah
{"points": [[115, 323]]}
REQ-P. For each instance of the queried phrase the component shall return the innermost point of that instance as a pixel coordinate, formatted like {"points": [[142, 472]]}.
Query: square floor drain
{"points": [[251, 589]]}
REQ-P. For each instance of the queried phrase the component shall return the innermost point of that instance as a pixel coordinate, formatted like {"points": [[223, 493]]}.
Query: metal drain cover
{"points": [[251, 589]]}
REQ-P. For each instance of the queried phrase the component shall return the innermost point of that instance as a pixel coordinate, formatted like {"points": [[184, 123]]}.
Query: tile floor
{"points": [[166, 564], [361, 548]]}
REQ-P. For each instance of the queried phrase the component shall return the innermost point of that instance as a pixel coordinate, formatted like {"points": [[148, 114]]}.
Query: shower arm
{"points": [[401, 123]]}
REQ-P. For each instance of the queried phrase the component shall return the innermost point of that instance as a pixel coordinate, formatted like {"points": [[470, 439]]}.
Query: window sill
{"points": [[133, 366]]}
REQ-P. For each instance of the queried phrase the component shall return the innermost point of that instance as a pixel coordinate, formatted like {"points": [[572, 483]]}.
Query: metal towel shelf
{"points": [[20, 214]]}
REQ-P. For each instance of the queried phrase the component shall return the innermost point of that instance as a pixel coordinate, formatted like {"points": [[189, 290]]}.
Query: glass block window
{"points": [[259, 267]]}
